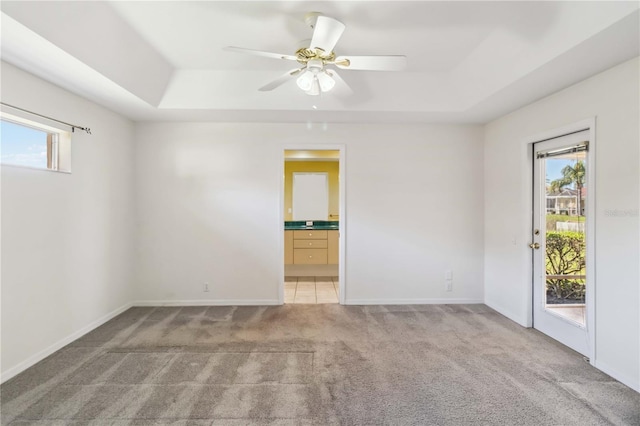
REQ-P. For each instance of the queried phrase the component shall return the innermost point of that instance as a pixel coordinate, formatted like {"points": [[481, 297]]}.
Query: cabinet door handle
{"points": [[310, 244]]}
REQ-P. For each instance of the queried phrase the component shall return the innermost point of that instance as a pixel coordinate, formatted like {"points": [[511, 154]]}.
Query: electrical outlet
{"points": [[448, 286], [205, 287], [448, 275]]}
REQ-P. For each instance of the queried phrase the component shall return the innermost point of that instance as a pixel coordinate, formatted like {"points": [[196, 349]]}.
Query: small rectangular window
{"points": [[26, 143]]}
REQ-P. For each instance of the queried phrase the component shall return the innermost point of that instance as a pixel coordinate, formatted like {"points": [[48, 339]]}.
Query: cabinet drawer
{"points": [[322, 244], [310, 256], [310, 235]]}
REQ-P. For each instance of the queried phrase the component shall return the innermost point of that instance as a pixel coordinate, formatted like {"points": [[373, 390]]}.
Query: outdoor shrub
{"points": [[565, 256]]}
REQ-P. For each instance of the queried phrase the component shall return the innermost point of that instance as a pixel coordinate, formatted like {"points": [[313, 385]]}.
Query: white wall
{"points": [[206, 203], [612, 97], [209, 210], [67, 239]]}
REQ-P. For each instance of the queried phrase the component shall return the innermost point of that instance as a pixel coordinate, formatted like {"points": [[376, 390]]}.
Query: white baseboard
{"points": [[413, 301], [632, 382], [211, 302], [34, 359]]}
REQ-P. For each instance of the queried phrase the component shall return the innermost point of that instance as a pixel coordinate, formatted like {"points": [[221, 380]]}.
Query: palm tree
{"points": [[571, 174]]}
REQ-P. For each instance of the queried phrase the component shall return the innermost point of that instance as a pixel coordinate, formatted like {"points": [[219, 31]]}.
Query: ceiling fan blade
{"points": [[326, 33], [281, 80], [259, 53], [373, 63], [342, 88]]}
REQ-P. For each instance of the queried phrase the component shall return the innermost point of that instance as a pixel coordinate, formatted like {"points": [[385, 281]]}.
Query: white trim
{"points": [[42, 169], [414, 301], [280, 232], [34, 359], [527, 193], [209, 302], [590, 301], [632, 382], [342, 246]]}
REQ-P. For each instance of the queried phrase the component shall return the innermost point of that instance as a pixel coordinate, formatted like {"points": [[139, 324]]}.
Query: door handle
{"points": [[534, 246]]}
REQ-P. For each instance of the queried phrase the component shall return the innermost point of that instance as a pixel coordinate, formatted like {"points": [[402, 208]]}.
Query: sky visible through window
{"points": [[23, 146], [555, 165]]}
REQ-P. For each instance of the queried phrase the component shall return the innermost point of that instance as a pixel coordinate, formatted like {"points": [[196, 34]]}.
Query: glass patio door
{"points": [[559, 239]]}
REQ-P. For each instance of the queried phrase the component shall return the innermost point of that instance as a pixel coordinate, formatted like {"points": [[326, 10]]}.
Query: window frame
{"points": [[58, 144]]}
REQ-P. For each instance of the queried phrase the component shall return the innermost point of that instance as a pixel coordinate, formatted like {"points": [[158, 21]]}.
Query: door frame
{"points": [[342, 215], [590, 125]]}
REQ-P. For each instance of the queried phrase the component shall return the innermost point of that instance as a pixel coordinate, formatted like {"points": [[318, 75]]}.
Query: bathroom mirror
{"points": [[310, 196]]}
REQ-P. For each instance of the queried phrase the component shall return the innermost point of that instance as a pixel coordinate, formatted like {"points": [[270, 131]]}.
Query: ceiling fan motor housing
{"points": [[305, 55], [315, 65]]}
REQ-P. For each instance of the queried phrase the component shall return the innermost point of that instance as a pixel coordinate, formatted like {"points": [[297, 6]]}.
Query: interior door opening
{"points": [[311, 226], [561, 279]]}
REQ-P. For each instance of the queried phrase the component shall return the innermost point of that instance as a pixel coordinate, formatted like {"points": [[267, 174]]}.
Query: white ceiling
{"points": [[467, 61]]}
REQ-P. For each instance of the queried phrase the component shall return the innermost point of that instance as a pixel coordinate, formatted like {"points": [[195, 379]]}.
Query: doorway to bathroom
{"points": [[313, 226]]}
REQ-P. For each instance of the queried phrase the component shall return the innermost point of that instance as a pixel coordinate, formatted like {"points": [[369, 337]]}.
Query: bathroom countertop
{"points": [[318, 225]]}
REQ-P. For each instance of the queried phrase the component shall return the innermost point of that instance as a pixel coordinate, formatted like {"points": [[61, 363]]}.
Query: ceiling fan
{"points": [[314, 77]]}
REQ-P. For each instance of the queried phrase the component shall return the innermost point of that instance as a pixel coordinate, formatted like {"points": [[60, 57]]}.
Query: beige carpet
{"points": [[316, 365]]}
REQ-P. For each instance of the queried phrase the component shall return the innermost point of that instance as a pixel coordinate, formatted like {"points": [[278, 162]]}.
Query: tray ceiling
{"points": [[467, 61]]}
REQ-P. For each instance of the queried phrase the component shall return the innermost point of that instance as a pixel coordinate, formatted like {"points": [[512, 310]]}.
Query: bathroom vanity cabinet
{"points": [[311, 247]]}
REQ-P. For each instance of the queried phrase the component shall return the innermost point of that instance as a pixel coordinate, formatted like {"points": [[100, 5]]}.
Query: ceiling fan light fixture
{"points": [[315, 87], [305, 81], [315, 80], [326, 81]]}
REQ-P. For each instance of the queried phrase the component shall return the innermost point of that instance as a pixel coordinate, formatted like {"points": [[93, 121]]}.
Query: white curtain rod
{"points": [[73, 126]]}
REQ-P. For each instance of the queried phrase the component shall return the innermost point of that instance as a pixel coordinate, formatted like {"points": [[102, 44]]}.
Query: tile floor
{"points": [[311, 290]]}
